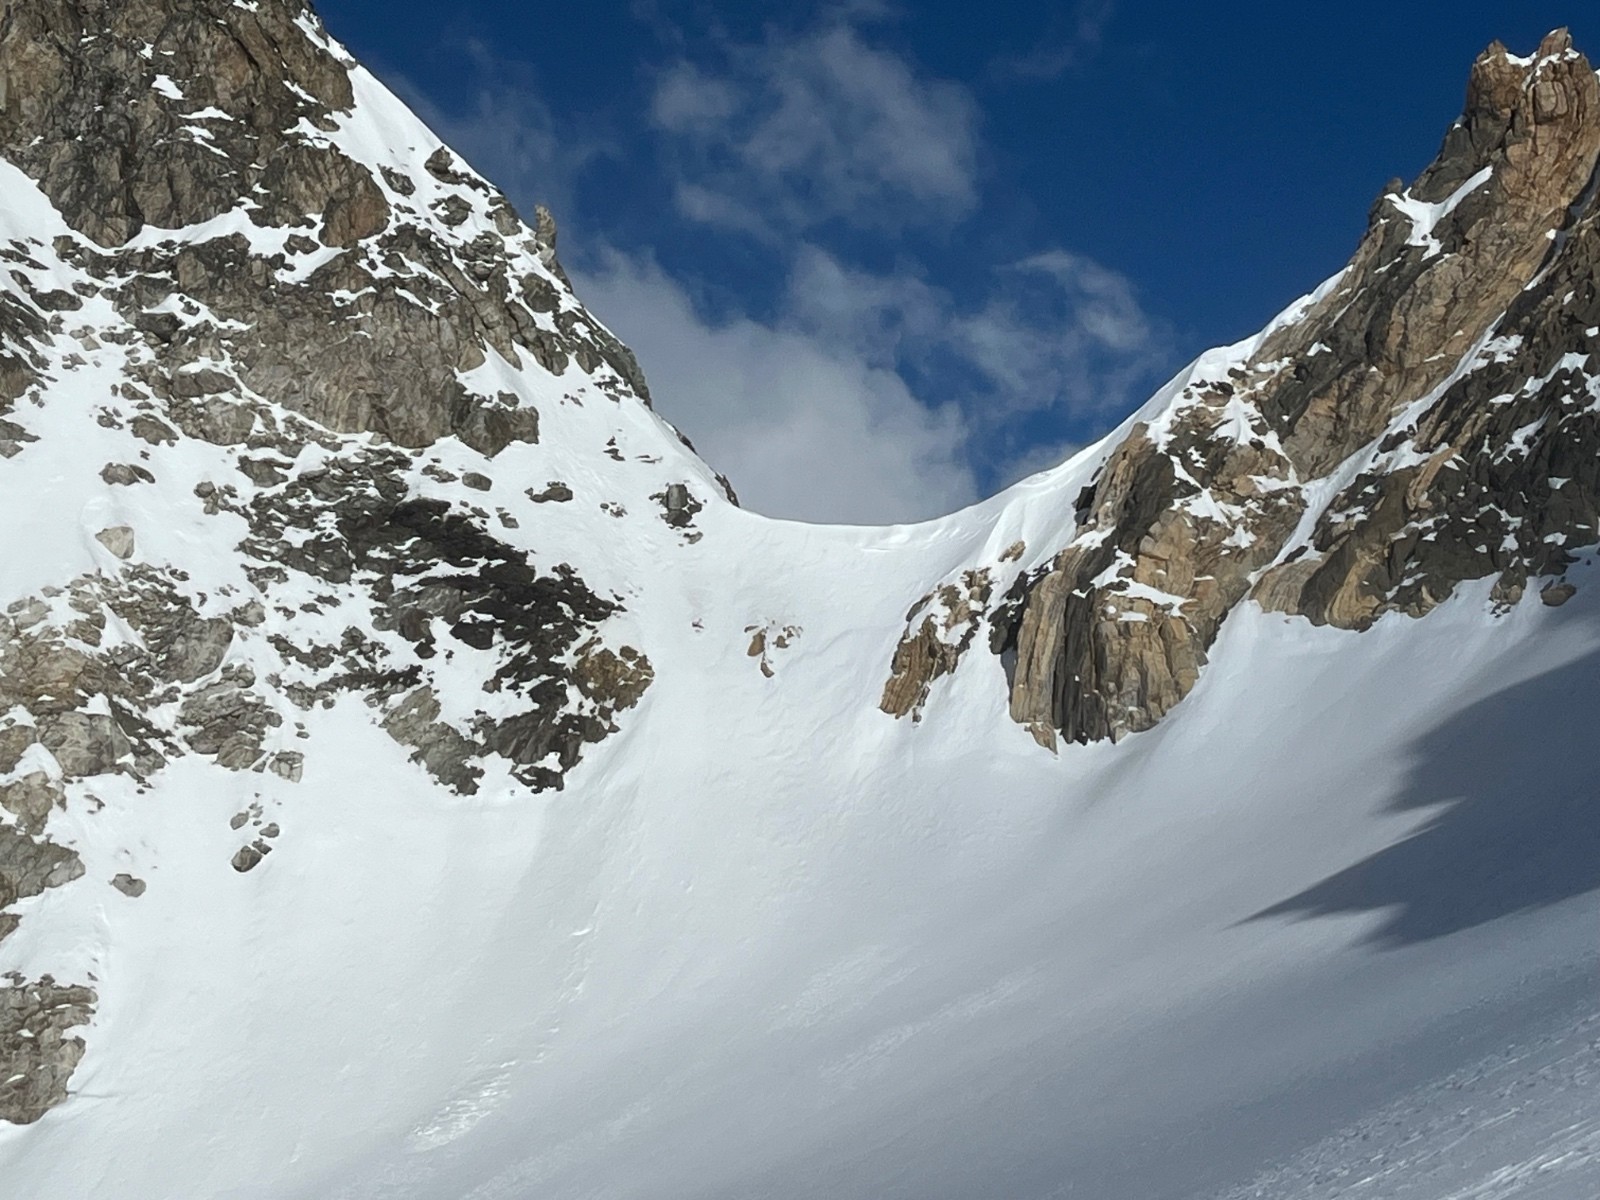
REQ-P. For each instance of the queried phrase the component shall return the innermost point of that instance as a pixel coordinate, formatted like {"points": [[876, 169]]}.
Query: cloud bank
{"points": [[861, 364]]}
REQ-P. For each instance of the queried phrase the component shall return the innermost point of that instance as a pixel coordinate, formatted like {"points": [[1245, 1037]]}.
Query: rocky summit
{"points": [[1426, 417], [260, 310], [418, 775]]}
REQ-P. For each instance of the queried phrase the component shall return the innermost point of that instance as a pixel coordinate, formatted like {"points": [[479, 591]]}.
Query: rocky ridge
{"points": [[1428, 417], [312, 356]]}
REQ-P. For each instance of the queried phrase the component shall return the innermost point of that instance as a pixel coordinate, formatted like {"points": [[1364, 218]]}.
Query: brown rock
{"points": [[932, 648], [37, 1057], [1095, 661]]}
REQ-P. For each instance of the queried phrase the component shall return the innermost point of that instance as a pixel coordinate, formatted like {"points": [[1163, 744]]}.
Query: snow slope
{"points": [[770, 942], [1327, 931]]}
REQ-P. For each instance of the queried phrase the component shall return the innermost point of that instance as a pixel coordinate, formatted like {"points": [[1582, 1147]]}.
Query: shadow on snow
{"points": [[1520, 771]]}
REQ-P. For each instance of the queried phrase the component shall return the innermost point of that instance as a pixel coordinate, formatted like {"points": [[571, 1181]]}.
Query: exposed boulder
{"points": [[118, 540], [931, 648]]}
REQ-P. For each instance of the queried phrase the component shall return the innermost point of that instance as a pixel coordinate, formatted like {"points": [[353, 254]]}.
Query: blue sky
{"points": [[880, 259]]}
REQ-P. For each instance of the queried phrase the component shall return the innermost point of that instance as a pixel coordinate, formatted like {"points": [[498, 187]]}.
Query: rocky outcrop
{"points": [[289, 298], [679, 506], [768, 641], [321, 282], [28, 866], [931, 648], [98, 94], [1499, 477], [277, 292], [1193, 511], [37, 1052], [433, 573]]}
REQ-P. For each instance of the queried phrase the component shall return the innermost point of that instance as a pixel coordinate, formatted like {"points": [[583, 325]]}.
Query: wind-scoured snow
{"points": [[1425, 215]]}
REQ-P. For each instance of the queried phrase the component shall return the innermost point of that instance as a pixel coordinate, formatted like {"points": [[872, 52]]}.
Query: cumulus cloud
{"points": [[813, 414], [803, 425], [831, 391], [817, 126]]}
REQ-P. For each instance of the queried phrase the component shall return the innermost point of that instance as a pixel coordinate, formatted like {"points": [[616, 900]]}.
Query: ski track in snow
{"points": [[1522, 1124]]}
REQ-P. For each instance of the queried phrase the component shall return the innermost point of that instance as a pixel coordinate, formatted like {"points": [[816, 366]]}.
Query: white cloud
{"points": [[1053, 331], [812, 414], [881, 317], [862, 395], [689, 101], [1104, 308], [802, 425], [808, 128]]}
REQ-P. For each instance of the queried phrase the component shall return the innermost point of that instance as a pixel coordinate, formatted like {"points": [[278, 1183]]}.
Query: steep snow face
{"points": [[420, 780]]}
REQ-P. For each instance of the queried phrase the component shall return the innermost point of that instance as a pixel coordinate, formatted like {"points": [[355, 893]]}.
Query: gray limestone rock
{"points": [[125, 474], [228, 720], [249, 857], [679, 506], [287, 764], [118, 540], [37, 1052], [554, 493], [14, 742], [84, 743], [31, 800], [30, 866], [447, 754]]}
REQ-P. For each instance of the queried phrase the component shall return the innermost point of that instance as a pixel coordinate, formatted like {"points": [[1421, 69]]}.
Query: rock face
{"points": [[278, 305], [143, 119], [1447, 367], [37, 1054], [940, 629]]}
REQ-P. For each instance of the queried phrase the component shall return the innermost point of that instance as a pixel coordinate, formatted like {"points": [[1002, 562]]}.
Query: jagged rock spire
{"points": [[1197, 510]]}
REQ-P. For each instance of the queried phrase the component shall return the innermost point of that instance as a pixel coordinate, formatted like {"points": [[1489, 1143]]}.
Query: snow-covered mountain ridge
{"points": [[259, 390], [421, 778], [1415, 423]]}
